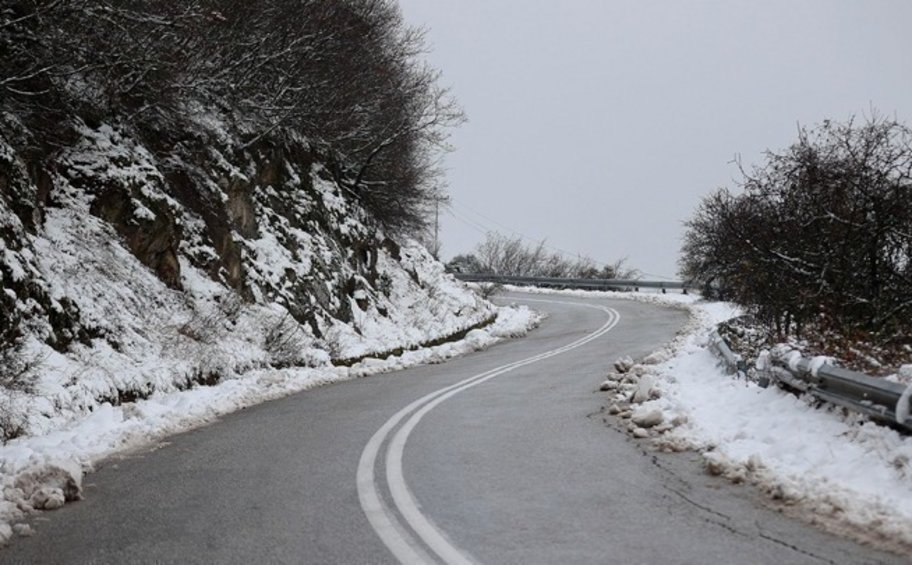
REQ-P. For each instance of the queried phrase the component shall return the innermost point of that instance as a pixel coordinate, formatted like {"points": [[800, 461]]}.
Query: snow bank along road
{"points": [[497, 457]]}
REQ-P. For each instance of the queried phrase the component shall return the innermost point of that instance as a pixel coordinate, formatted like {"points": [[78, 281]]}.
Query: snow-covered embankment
{"points": [[43, 472], [829, 466]]}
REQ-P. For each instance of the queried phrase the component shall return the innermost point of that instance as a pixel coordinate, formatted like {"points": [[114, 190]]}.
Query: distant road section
{"points": [[583, 284], [503, 456]]}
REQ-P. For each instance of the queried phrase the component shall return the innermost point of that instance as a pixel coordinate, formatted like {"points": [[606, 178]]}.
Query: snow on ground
{"points": [[849, 474], [673, 299], [41, 472], [847, 471]]}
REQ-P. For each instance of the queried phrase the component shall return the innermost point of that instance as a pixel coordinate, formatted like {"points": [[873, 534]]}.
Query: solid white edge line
{"points": [[385, 524]]}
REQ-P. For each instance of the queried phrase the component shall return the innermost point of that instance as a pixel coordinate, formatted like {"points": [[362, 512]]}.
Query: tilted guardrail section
{"points": [[730, 360], [582, 284], [882, 400]]}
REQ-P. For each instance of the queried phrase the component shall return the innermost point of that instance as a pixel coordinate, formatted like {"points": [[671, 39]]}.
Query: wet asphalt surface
{"points": [[524, 468]]}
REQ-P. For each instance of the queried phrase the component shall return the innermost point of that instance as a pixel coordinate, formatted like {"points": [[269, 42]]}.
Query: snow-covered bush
{"points": [[19, 373], [286, 343], [819, 237]]}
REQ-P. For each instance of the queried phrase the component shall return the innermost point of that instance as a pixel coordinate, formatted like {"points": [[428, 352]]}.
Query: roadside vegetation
{"points": [[503, 255], [817, 242]]}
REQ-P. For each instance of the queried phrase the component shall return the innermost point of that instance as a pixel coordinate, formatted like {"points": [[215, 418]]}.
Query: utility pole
{"points": [[436, 228]]}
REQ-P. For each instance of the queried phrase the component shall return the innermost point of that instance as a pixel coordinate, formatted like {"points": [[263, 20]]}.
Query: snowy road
{"points": [[504, 457]]}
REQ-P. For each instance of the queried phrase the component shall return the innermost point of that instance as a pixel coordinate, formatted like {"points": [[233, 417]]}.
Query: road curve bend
{"points": [[502, 456]]}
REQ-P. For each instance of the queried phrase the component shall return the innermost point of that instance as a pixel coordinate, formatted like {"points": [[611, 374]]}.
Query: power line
{"points": [[488, 229], [482, 227], [477, 213], [475, 226]]}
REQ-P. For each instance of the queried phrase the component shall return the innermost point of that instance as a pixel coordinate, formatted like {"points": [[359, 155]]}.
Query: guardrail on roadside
{"points": [[583, 284], [884, 401], [731, 360]]}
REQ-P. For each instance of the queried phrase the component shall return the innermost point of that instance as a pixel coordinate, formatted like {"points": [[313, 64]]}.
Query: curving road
{"points": [[502, 456]]}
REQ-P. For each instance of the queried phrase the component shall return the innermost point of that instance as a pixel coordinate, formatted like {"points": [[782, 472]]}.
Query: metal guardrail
{"points": [[884, 401], [584, 284], [731, 360]]}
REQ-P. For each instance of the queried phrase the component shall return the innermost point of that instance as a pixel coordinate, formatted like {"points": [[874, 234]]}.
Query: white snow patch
{"points": [[843, 468], [902, 405], [818, 362]]}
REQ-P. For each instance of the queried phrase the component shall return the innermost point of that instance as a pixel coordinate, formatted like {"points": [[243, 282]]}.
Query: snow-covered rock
{"points": [[47, 498], [43, 483], [656, 357], [623, 365], [905, 373], [6, 533], [644, 389], [647, 418], [609, 385]]}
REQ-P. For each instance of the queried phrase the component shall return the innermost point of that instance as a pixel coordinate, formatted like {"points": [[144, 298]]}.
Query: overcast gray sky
{"points": [[598, 125]]}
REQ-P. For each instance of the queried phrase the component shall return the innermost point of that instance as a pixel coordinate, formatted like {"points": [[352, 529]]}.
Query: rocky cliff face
{"points": [[151, 267]]}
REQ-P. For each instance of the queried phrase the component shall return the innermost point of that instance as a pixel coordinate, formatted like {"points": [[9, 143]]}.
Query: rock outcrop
{"points": [[151, 266]]}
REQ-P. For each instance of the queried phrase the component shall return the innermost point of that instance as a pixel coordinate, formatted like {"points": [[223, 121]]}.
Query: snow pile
{"points": [[851, 475]]}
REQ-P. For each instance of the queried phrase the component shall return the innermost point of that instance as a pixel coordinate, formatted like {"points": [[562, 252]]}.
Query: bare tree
{"points": [[345, 74], [503, 255]]}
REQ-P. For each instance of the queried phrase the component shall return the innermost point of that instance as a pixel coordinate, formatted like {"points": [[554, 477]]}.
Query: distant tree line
{"points": [[345, 74], [511, 256], [820, 235]]}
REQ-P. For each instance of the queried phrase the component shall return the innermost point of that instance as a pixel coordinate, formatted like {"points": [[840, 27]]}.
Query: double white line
{"points": [[412, 546]]}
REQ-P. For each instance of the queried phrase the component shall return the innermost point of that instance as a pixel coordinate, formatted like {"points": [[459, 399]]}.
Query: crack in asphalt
{"points": [[728, 527], [759, 533], [696, 504], [795, 548]]}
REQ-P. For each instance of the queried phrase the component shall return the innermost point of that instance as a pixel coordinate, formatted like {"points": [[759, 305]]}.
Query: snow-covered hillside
{"points": [[145, 291]]}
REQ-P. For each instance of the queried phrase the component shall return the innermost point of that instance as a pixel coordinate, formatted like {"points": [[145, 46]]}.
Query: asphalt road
{"points": [[503, 456]]}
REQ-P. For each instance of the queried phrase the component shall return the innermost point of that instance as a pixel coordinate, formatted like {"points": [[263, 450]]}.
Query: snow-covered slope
{"points": [[132, 276]]}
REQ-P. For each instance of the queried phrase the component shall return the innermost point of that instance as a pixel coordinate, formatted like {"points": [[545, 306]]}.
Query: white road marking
{"points": [[401, 543]]}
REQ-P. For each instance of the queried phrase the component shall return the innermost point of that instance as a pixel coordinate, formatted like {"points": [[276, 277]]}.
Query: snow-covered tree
{"points": [[345, 74]]}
